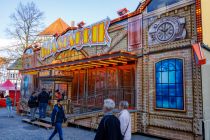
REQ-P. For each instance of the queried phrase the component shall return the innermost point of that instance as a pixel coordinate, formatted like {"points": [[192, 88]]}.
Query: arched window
{"points": [[169, 84], [156, 4]]}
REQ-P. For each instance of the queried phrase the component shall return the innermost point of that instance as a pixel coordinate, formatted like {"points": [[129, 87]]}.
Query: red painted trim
{"points": [[137, 12], [198, 52]]}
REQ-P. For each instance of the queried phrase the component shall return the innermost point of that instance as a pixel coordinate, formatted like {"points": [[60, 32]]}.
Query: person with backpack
{"points": [[57, 118], [43, 99], [33, 104], [109, 127], [125, 120], [8, 104]]}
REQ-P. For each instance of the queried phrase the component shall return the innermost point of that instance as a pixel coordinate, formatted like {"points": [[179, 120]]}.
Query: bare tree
{"points": [[26, 23]]}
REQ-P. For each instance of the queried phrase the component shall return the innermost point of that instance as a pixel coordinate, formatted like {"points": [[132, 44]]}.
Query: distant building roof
{"points": [[57, 27]]}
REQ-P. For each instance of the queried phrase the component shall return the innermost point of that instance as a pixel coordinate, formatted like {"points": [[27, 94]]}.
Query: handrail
{"points": [[95, 101]]}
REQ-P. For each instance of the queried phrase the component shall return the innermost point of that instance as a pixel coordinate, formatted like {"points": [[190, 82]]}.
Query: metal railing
{"points": [[94, 100]]}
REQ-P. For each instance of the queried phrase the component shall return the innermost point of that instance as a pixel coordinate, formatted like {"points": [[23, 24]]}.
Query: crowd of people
{"points": [[110, 127], [41, 101]]}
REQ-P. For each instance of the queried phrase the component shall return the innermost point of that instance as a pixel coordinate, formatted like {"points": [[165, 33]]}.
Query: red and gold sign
{"points": [[44, 73], [96, 34], [61, 73]]}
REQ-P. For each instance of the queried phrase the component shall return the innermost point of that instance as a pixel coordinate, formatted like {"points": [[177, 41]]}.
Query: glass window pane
{"points": [[159, 102], [179, 64], [172, 90], [164, 89], [165, 65], [180, 101], [169, 84], [172, 102], [172, 76], [164, 77], [158, 89], [158, 66], [156, 4], [158, 77], [179, 90], [172, 64], [179, 77], [165, 102]]}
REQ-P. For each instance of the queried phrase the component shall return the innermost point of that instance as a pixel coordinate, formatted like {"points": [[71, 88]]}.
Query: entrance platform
{"points": [[38, 123], [91, 120]]}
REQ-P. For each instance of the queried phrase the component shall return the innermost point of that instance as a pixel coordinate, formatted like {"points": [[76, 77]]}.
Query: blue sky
{"points": [[89, 11]]}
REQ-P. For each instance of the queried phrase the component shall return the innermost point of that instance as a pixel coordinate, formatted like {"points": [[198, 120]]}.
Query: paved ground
{"points": [[14, 129]]}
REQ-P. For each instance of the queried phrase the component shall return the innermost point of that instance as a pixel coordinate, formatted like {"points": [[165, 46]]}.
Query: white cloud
{"points": [[6, 45], [7, 42]]}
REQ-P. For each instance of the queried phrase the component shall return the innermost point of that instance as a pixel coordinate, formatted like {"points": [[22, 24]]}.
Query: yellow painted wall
{"points": [[206, 21]]}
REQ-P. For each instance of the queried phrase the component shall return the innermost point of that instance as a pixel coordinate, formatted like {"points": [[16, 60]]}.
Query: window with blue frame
{"points": [[156, 4], [169, 84]]}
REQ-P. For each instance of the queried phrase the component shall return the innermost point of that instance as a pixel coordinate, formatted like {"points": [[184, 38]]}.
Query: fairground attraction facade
{"points": [[151, 57]]}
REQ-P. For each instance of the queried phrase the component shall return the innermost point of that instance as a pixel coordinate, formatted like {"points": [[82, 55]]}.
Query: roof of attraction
{"points": [[57, 27], [111, 58]]}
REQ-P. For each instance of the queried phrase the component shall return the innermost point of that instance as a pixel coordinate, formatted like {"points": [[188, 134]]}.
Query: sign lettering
{"points": [[96, 34]]}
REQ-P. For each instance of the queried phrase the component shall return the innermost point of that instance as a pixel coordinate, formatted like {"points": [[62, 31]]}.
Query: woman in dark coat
{"points": [[109, 127]]}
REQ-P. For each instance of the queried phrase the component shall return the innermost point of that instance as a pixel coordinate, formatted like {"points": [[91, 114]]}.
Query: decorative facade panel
{"points": [[167, 29], [135, 33]]}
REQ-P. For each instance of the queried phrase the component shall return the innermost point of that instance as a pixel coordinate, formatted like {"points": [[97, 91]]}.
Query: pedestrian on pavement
{"points": [[57, 118], [125, 120], [33, 104], [58, 95], [50, 94], [8, 104], [109, 127], [43, 99]]}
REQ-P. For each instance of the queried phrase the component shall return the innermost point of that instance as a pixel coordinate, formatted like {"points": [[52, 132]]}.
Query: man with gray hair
{"points": [[125, 120], [109, 127]]}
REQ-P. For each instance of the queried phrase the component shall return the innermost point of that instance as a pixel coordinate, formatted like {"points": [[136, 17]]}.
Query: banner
{"points": [[95, 34]]}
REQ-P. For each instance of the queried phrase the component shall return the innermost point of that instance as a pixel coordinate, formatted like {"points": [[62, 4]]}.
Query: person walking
{"points": [[125, 120], [109, 127], [57, 118], [8, 104], [43, 99], [58, 95], [33, 104]]}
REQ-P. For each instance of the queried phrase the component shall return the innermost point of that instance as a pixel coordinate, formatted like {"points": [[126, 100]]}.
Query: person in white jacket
{"points": [[125, 120]]}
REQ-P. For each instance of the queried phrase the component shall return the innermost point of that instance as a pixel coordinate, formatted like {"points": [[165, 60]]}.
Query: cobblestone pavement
{"points": [[15, 129]]}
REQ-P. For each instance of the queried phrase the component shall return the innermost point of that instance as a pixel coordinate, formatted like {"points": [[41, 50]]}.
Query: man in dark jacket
{"points": [[33, 104], [43, 99], [109, 127], [57, 118]]}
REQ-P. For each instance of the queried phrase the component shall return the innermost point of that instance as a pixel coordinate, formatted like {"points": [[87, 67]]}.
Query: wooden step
{"points": [[45, 125], [38, 123], [26, 120]]}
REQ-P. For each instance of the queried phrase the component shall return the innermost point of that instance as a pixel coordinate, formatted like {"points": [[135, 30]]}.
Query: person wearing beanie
{"points": [[57, 118]]}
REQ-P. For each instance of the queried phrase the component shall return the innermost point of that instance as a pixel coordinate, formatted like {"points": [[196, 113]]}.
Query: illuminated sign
{"points": [[61, 73], [44, 73], [96, 34]]}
